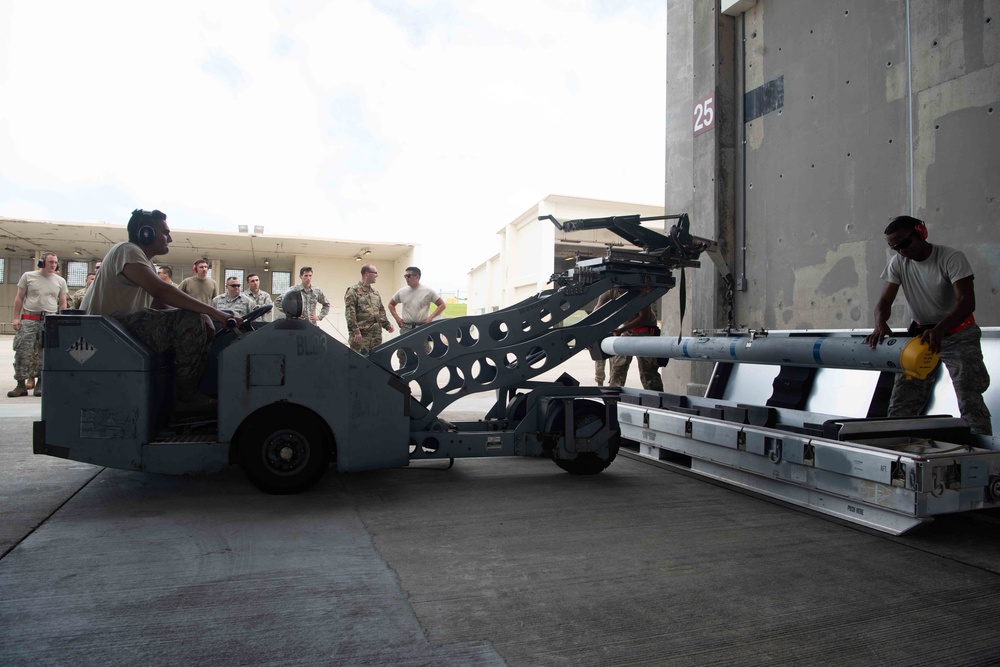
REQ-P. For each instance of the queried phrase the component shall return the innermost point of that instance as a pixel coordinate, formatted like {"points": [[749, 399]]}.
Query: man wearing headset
{"points": [[200, 286], [39, 293], [157, 313], [937, 283]]}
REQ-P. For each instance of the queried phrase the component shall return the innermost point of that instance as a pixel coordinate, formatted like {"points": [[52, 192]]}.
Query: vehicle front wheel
{"points": [[283, 451], [589, 418]]}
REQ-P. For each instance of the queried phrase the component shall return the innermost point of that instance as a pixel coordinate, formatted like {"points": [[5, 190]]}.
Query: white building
{"points": [[531, 250]]}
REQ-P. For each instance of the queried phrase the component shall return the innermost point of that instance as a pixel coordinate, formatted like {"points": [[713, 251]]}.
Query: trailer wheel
{"points": [[283, 451], [588, 417]]}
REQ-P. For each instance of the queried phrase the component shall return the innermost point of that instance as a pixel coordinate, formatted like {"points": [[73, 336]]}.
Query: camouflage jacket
{"points": [[310, 298], [363, 309]]}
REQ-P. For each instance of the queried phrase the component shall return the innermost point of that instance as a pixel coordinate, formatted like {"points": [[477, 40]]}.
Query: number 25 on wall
{"points": [[704, 115]]}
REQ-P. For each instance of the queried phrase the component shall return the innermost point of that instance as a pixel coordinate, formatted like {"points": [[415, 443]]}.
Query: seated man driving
{"points": [[157, 313]]}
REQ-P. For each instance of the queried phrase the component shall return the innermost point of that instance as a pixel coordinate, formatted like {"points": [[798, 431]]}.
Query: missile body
{"points": [[895, 355]]}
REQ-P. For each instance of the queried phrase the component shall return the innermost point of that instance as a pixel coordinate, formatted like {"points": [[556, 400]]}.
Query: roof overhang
{"points": [[88, 241]]}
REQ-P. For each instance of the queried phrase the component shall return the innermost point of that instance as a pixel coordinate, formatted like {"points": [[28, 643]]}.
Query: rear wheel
{"points": [[284, 451], [589, 417]]}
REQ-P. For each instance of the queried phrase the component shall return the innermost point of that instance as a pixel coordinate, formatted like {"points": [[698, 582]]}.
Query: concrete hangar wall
{"points": [[796, 130]]}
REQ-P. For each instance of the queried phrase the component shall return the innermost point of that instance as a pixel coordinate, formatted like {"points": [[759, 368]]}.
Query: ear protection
{"points": [[46, 255], [146, 234], [921, 230]]}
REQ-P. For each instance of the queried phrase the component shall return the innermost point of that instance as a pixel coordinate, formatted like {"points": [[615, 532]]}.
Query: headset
{"points": [[145, 223], [46, 255], [921, 229], [145, 235]]}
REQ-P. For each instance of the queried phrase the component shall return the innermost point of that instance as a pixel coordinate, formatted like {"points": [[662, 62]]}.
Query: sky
{"points": [[412, 121]]}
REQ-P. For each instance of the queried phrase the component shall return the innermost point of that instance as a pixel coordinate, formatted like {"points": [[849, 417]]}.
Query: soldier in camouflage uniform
{"points": [[78, 295], [39, 293], [365, 315], [311, 297], [643, 324], [166, 274], [258, 296], [233, 300], [937, 282]]}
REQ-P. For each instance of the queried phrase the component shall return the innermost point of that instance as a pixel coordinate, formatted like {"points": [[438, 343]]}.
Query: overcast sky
{"points": [[432, 122]]}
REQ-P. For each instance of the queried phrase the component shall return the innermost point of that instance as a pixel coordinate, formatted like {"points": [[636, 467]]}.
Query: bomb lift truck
{"points": [[292, 399]]}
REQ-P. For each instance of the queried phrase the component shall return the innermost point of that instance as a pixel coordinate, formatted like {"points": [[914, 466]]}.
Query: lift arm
{"points": [[506, 348]]}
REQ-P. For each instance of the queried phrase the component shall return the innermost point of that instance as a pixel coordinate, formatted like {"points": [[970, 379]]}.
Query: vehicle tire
{"points": [[284, 451], [588, 417]]}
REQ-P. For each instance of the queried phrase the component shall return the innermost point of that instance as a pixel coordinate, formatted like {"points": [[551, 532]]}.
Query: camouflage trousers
{"points": [[27, 350], [962, 355], [182, 331], [649, 372], [599, 372], [369, 338]]}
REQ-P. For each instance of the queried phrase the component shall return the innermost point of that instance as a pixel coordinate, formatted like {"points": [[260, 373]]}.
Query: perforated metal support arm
{"points": [[452, 358]]}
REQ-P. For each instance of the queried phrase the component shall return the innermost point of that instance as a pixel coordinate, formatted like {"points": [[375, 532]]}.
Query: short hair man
{"points": [[257, 295], [311, 296], [158, 314], [39, 293], [937, 284], [233, 299], [200, 286], [364, 312], [78, 295], [415, 300], [166, 274]]}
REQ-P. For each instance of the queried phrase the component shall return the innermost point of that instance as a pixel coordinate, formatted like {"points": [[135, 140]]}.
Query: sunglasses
{"points": [[232, 284], [409, 275], [904, 244]]}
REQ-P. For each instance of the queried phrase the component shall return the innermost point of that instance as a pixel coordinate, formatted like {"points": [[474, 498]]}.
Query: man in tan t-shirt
{"points": [[39, 293], [161, 316], [200, 286]]}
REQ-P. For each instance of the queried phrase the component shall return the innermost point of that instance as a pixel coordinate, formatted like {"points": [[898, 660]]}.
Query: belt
{"points": [[966, 323], [25, 316], [644, 331], [410, 325], [918, 329]]}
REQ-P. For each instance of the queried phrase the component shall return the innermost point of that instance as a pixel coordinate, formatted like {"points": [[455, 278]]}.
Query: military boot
{"points": [[38, 387], [19, 390]]}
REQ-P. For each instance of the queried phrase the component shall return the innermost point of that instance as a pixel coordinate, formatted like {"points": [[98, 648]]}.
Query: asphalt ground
{"points": [[505, 561]]}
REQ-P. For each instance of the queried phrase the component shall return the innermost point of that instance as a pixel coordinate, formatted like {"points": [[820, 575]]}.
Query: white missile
{"points": [[895, 355]]}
